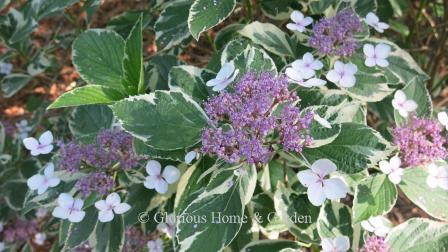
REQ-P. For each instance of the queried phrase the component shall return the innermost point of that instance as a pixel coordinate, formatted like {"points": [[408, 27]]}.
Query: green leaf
{"points": [[335, 219], [124, 22], [80, 232], [296, 212], [172, 120], [344, 112], [133, 71], [225, 34], [171, 27], [87, 121], [233, 49], [373, 196], [205, 14], [159, 67], [142, 149], [371, 83], [254, 59], [109, 236], [64, 225], [434, 201], [263, 209], [357, 147], [14, 192], [312, 96], [416, 91], [352, 180], [383, 109], [362, 7], [245, 235], [248, 182], [98, 57], [20, 27], [139, 197], [87, 95], [271, 245], [191, 183], [46, 8], [223, 196], [27, 168], [190, 80], [270, 37], [319, 6], [402, 67], [12, 83], [277, 10], [417, 235], [274, 173]]}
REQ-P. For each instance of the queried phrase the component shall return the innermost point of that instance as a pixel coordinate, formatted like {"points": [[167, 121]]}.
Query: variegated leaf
{"points": [[205, 14], [98, 57], [223, 198], [171, 26], [374, 196], [417, 235], [191, 80], [357, 147], [171, 120], [270, 37]]}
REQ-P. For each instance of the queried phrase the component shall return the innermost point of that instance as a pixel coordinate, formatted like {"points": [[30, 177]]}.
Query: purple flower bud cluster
{"points": [[420, 141], [111, 147], [334, 36], [98, 182], [242, 120], [293, 129], [135, 240], [375, 244], [118, 147], [20, 230], [71, 156]]}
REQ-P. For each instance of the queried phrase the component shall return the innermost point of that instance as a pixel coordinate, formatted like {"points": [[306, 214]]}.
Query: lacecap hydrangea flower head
{"points": [[20, 230], [421, 141], [375, 244], [242, 122], [335, 35], [110, 149], [135, 239]]}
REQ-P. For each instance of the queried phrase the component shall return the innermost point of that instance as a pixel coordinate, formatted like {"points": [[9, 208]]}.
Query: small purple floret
{"points": [[98, 182]]}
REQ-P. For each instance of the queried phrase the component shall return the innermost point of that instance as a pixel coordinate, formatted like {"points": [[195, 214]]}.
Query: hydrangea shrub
{"points": [[268, 147]]}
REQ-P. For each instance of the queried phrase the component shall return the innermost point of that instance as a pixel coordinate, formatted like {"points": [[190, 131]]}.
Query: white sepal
{"points": [[225, 76], [42, 146], [320, 188], [69, 208], [159, 180]]}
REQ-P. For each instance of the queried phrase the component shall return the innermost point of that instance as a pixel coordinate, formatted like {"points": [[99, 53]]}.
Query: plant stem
{"points": [[414, 25], [306, 160], [249, 9], [285, 175], [210, 41]]}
